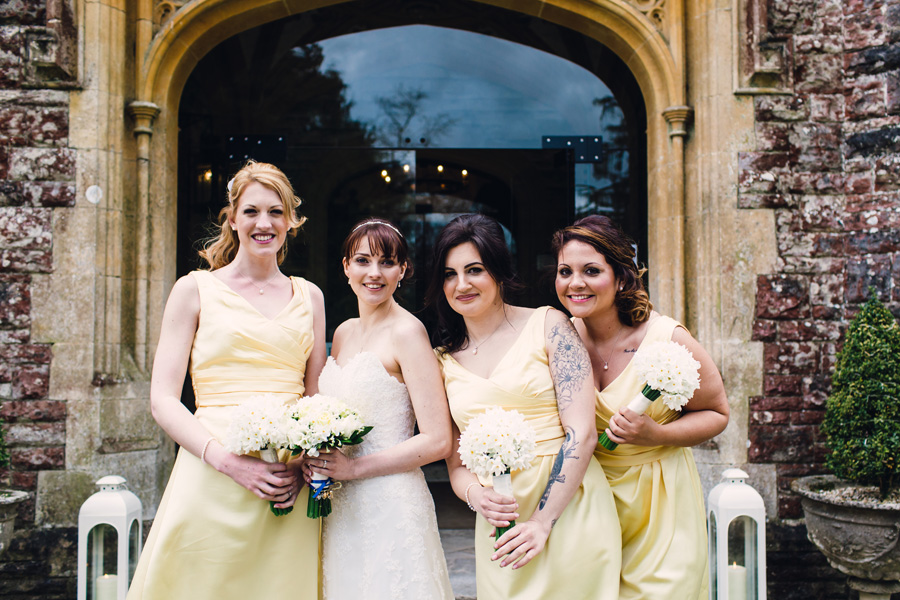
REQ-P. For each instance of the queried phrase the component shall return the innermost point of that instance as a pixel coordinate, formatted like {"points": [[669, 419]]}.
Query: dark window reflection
{"points": [[414, 112]]}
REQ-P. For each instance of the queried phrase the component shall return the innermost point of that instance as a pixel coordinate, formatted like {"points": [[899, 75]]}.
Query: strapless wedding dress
{"points": [[381, 541]]}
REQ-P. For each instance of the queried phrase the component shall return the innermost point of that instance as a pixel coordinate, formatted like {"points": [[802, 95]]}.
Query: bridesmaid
{"points": [[495, 354], [652, 474], [244, 329]]}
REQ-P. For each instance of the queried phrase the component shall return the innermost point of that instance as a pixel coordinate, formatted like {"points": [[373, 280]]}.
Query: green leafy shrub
{"points": [[862, 416]]}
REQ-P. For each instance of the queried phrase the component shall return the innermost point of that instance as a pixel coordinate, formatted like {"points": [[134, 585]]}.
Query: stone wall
{"points": [[827, 162], [37, 177]]}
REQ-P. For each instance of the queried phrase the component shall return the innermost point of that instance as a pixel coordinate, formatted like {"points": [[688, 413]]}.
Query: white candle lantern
{"points": [[109, 541], [737, 540]]}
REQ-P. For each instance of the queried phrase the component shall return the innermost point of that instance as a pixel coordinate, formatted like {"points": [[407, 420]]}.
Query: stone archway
{"points": [[636, 31]]}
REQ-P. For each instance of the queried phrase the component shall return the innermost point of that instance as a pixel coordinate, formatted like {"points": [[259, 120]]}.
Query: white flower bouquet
{"points": [[321, 422], [669, 371], [494, 444], [261, 425]]}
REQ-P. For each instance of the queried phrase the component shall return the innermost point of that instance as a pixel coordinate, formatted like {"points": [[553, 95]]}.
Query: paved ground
{"points": [[459, 549], [457, 525]]}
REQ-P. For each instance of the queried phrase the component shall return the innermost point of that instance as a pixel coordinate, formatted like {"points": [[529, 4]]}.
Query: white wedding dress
{"points": [[381, 541]]}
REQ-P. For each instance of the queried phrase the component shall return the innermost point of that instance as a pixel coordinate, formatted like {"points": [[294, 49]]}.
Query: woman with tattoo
{"points": [[495, 354], [652, 473]]}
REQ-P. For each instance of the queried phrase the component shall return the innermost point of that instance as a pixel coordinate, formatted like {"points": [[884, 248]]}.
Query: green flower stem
{"points": [[638, 404]]}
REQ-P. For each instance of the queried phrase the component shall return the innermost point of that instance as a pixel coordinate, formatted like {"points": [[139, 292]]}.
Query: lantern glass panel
{"points": [[742, 568], [102, 553], [134, 549], [713, 553]]}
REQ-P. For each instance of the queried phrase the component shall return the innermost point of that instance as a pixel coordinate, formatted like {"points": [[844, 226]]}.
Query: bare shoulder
{"points": [[345, 329], [406, 327], [684, 337], [555, 317], [183, 304], [315, 294], [185, 291]]}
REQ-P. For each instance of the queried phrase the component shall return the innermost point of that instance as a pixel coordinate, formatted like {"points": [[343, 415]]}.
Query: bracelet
{"points": [[468, 503], [205, 447]]}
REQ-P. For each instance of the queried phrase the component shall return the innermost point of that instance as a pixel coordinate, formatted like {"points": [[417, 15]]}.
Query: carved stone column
{"points": [[677, 117], [143, 113]]}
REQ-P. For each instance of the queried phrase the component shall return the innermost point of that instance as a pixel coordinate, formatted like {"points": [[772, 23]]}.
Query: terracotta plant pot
{"points": [[859, 539], [9, 504]]}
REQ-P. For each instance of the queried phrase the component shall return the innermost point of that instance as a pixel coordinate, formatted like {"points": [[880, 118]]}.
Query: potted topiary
{"points": [[853, 516], [9, 499]]}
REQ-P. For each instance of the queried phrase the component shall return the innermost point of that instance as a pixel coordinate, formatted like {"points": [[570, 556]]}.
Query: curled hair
{"points": [[486, 235], [603, 235], [384, 238], [221, 250]]}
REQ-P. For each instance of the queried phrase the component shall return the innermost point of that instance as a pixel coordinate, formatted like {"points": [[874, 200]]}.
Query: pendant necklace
{"points": [[611, 352], [262, 288], [482, 342]]}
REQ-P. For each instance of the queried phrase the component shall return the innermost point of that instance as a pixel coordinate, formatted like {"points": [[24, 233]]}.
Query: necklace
{"points": [[262, 288], [482, 342], [611, 352]]}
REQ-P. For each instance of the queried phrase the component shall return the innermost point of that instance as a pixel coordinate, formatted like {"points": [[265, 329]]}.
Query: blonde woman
{"points": [[243, 328]]}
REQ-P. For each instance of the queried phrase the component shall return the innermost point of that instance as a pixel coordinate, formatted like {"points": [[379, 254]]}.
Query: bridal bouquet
{"points": [[494, 444], [669, 371], [323, 422], [260, 425]]}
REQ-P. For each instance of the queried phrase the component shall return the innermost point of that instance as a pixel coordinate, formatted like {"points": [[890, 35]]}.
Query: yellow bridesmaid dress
{"points": [[658, 497], [211, 538], [582, 556]]}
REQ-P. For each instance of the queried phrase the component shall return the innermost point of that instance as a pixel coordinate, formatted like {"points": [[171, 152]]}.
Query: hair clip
{"points": [[377, 223], [230, 183]]}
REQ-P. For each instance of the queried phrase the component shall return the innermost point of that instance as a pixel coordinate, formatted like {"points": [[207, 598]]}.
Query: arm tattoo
{"points": [[570, 364], [566, 451]]}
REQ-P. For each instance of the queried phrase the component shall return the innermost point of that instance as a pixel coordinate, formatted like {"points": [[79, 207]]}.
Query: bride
{"points": [[382, 540]]}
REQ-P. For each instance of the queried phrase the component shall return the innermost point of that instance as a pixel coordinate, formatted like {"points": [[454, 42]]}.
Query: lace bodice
{"points": [[382, 539], [380, 399]]}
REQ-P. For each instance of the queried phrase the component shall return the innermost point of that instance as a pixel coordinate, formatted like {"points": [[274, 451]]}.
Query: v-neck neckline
{"points": [[650, 326], [250, 304], [505, 354]]}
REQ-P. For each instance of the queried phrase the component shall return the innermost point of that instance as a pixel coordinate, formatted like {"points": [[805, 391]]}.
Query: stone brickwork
{"points": [[827, 162], [37, 177]]}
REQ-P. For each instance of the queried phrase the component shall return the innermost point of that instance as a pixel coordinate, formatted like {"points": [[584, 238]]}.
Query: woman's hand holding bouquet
{"points": [[494, 444], [321, 422], [669, 371]]}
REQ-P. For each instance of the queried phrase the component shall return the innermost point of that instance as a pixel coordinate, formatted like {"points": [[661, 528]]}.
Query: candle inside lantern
{"points": [[107, 587], [737, 582]]}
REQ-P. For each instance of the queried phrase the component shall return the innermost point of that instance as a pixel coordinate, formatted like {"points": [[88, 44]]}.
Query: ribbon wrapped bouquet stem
{"points": [[669, 371]]}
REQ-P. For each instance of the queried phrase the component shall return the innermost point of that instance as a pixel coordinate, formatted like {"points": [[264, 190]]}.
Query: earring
{"points": [[399, 283]]}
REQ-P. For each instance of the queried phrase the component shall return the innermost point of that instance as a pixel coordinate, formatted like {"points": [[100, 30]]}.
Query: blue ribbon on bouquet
{"points": [[323, 489]]}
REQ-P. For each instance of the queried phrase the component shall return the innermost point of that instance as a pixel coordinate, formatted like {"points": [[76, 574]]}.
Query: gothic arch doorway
{"points": [[651, 48], [416, 115]]}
